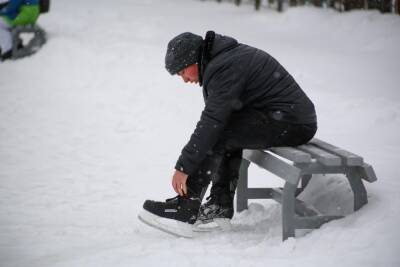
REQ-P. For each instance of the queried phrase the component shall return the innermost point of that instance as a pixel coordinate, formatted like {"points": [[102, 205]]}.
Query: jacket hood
{"points": [[214, 44], [221, 44]]}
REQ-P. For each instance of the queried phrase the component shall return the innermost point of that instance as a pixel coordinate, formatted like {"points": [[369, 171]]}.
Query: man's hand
{"points": [[179, 182]]}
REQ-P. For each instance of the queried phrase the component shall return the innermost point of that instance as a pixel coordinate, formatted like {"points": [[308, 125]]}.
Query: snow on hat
{"points": [[182, 52]]}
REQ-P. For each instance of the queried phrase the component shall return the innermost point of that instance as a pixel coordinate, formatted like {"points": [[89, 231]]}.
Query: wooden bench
{"points": [[297, 165]]}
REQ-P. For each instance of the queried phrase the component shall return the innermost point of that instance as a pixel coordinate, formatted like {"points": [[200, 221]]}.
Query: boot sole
{"points": [[218, 224], [170, 226]]}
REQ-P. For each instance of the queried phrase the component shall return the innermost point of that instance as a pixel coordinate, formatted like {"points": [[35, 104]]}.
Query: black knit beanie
{"points": [[182, 52]]}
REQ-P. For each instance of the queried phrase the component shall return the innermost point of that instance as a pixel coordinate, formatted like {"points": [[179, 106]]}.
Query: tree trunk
{"points": [[270, 2], [386, 6], [353, 4], [280, 5], [317, 3], [397, 7], [373, 4], [257, 4]]}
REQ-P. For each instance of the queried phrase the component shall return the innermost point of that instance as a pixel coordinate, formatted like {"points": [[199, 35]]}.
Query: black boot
{"points": [[219, 205], [218, 209], [175, 216]]}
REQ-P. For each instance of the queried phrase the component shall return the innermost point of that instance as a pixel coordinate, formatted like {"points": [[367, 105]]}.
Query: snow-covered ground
{"points": [[92, 125]]}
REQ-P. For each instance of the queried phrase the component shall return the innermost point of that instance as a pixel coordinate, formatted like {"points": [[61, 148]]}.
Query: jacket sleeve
{"points": [[224, 90], [11, 7]]}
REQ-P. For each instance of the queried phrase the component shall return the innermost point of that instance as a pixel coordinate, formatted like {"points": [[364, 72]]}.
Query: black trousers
{"points": [[246, 129]]}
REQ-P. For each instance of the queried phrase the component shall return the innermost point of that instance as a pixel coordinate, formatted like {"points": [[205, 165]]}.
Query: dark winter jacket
{"points": [[237, 76]]}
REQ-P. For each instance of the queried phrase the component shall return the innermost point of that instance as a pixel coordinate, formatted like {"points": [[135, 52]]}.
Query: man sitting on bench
{"points": [[251, 102], [15, 13]]}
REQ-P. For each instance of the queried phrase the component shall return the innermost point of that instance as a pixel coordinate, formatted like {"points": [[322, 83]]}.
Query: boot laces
{"points": [[211, 199], [178, 197]]}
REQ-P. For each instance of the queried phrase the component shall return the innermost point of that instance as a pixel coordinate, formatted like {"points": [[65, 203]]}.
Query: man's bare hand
{"points": [[179, 182]]}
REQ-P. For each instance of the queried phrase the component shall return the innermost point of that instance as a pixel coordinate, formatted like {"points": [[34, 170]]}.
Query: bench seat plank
{"points": [[368, 173], [292, 154], [273, 164], [322, 156], [350, 159]]}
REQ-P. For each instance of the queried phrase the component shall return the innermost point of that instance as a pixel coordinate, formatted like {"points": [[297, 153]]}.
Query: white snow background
{"points": [[92, 125]]}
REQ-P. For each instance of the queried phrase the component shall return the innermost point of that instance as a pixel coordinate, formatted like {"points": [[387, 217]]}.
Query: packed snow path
{"points": [[92, 125]]}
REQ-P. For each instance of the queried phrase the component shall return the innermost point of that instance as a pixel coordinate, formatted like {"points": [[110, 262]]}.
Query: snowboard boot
{"points": [[175, 216], [5, 56], [20, 44]]}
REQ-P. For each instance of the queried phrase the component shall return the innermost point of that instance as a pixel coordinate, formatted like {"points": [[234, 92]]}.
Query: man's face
{"points": [[190, 74]]}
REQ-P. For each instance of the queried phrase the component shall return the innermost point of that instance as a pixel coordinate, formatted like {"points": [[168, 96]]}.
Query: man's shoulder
{"points": [[236, 61], [216, 69]]}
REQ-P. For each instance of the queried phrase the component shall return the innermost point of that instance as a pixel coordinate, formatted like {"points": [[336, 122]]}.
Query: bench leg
{"points": [[288, 211], [359, 191], [242, 187], [305, 179]]}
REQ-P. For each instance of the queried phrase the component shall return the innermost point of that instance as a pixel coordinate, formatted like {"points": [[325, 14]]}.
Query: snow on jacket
{"points": [[21, 12], [237, 76]]}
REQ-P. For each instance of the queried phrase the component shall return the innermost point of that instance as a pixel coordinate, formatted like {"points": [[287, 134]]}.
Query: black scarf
{"points": [[204, 54]]}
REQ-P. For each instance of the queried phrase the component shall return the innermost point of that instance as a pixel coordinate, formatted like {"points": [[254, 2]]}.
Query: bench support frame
{"points": [[295, 213]]}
